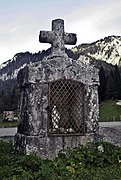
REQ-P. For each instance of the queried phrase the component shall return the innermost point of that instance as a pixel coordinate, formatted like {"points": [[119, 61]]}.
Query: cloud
{"points": [[21, 22], [95, 20]]}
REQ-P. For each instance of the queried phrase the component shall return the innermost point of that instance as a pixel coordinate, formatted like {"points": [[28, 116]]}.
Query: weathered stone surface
{"points": [[49, 147], [33, 134], [57, 37]]}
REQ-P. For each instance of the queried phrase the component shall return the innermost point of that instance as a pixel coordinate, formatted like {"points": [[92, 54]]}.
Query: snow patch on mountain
{"points": [[3, 65], [109, 52], [13, 75], [107, 49]]}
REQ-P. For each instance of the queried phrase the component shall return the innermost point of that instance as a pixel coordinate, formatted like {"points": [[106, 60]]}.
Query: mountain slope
{"points": [[107, 49]]}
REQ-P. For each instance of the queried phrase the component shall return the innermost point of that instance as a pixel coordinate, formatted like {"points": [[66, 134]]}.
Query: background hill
{"points": [[107, 49], [105, 54]]}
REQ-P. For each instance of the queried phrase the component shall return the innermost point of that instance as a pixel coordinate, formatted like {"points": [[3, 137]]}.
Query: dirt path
{"points": [[7, 133]]}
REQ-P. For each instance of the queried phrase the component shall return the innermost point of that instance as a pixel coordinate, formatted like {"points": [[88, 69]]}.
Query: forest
{"points": [[110, 84]]}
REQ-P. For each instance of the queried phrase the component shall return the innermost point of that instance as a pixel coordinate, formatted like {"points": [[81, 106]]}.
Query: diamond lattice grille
{"points": [[66, 107]]}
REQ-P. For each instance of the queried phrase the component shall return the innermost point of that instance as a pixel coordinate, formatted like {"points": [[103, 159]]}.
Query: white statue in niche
{"points": [[55, 117]]}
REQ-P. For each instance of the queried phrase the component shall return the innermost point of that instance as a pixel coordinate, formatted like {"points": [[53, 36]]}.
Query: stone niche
{"points": [[58, 105]]}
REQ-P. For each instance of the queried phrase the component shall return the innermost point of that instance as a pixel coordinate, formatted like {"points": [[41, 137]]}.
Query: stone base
{"points": [[49, 147]]}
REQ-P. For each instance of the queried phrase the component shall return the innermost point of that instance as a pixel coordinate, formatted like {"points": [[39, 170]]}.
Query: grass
{"points": [[83, 163], [109, 111], [8, 124]]}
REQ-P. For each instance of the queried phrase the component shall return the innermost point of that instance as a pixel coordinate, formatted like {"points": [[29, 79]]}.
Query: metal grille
{"points": [[66, 107]]}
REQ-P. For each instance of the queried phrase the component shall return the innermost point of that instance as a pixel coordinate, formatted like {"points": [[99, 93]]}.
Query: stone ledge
{"points": [[49, 147]]}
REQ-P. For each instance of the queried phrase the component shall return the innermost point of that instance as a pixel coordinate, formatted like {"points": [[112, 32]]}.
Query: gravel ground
{"points": [[111, 132]]}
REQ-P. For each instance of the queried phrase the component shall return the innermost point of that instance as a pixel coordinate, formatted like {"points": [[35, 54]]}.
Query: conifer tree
{"points": [[111, 86], [117, 79], [103, 83]]}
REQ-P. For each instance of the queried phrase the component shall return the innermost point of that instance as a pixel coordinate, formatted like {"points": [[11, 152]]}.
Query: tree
{"points": [[103, 83], [111, 86], [9, 102], [117, 79]]}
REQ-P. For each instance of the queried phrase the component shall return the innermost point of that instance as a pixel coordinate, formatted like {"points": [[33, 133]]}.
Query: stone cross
{"points": [[57, 37]]}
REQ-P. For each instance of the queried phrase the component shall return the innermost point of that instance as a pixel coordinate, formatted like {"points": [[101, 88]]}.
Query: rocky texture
{"points": [[34, 79]]}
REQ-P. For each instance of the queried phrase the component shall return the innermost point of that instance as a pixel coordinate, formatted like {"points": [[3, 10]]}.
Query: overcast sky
{"points": [[21, 21]]}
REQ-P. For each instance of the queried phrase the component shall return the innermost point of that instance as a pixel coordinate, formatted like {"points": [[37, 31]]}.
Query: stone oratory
{"points": [[58, 105]]}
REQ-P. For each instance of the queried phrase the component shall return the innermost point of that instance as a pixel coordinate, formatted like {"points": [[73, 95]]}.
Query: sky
{"points": [[21, 22]]}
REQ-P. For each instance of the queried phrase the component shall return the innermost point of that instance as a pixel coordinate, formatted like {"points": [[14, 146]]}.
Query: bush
{"points": [[99, 161]]}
